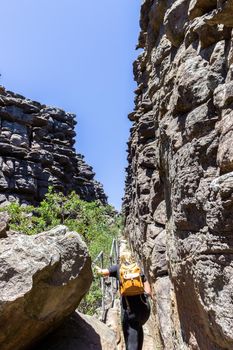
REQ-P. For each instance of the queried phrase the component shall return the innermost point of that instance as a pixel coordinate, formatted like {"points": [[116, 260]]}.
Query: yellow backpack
{"points": [[130, 280]]}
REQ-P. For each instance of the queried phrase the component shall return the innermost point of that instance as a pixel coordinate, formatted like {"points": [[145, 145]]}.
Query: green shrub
{"points": [[92, 300]]}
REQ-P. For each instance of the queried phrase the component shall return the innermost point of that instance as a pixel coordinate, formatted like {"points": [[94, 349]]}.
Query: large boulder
{"points": [[80, 332], [42, 280]]}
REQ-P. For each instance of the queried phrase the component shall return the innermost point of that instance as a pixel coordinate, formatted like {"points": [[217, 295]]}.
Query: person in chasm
{"points": [[135, 292]]}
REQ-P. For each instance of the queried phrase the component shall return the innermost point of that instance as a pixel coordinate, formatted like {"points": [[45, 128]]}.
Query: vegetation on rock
{"points": [[96, 223]]}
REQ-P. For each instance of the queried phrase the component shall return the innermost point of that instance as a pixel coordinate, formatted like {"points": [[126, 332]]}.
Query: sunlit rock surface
{"points": [[42, 280], [37, 151], [179, 188]]}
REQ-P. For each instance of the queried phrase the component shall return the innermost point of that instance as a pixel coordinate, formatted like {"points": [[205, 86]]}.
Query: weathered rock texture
{"points": [[4, 224], [80, 332], [42, 280], [36, 151], [179, 187]]}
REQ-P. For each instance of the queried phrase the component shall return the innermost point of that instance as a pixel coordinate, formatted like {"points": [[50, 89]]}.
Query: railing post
{"points": [[113, 258], [103, 288], [100, 258]]}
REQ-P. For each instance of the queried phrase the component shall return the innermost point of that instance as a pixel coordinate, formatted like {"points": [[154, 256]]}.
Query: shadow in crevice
{"points": [[75, 333]]}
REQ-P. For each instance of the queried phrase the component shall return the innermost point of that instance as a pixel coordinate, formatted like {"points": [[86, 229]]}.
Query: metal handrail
{"points": [[114, 250], [100, 258], [113, 259]]}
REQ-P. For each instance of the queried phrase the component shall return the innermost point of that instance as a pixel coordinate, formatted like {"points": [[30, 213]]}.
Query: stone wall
{"points": [[179, 187], [36, 151]]}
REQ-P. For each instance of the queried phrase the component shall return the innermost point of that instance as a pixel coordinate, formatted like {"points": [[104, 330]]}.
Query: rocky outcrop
{"points": [[4, 224], [37, 151], [178, 201], [42, 280], [80, 332]]}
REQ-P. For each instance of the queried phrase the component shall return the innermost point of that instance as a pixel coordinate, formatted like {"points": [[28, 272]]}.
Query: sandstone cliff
{"points": [[36, 151], [179, 187]]}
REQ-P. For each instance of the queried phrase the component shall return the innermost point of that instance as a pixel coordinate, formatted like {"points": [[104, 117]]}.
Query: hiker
{"points": [[135, 306]]}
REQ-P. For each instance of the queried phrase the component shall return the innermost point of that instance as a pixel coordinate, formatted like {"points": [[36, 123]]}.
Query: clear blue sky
{"points": [[77, 55]]}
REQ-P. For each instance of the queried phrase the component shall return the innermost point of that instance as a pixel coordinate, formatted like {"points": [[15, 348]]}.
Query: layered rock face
{"points": [[179, 188], [36, 151]]}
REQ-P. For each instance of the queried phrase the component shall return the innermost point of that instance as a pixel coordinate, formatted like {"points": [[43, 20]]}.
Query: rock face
{"points": [[4, 224], [178, 201], [36, 151], [42, 280], [80, 332]]}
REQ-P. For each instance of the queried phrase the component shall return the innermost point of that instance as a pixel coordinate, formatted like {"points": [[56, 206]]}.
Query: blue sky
{"points": [[77, 55]]}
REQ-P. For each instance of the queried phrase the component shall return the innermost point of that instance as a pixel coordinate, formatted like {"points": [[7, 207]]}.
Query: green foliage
{"points": [[97, 224], [92, 300]]}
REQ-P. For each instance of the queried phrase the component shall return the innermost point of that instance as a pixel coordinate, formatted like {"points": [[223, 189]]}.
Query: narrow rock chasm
{"points": [[178, 203]]}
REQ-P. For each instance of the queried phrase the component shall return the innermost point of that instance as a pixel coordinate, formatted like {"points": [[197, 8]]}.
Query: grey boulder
{"points": [[80, 332], [42, 280]]}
